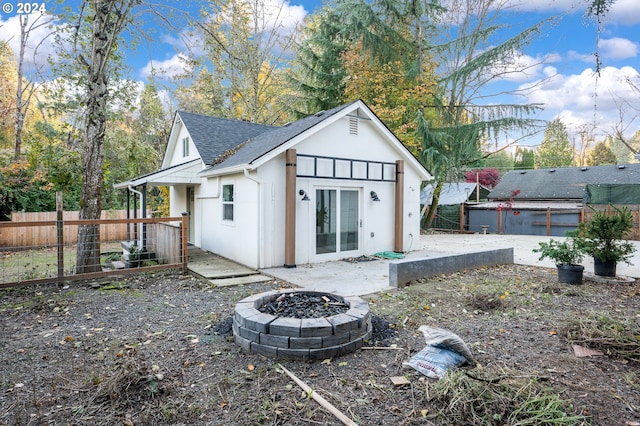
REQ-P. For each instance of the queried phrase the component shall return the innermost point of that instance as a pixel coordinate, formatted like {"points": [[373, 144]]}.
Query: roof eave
{"points": [[213, 172]]}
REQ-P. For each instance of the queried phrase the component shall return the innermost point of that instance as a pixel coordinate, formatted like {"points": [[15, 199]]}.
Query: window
{"points": [[227, 202], [185, 147]]}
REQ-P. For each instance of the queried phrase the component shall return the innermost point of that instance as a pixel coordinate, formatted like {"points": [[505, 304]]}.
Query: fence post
{"points": [[184, 236], [548, 221], [60, 237]]}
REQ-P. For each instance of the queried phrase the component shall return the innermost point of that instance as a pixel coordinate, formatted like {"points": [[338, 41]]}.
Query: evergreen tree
{"points": [[472, 56], [524, 159], [555, 150], [501, 161], [318, 73], [354, 36], [601, 155]]}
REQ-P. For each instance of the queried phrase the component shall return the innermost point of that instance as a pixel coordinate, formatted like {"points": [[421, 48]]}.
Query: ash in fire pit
{"points": [[301, 325], [305, 305]]}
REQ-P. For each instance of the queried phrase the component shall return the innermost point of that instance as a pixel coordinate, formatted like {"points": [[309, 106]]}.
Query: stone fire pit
{"points": [[302, 338]]}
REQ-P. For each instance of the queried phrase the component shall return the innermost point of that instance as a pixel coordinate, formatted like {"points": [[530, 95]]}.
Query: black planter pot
{"points": [[604, 269], [570, 274]]}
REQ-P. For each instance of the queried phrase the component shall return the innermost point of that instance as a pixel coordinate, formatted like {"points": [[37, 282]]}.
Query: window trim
{"points": [[228, 203], [185, 146]]}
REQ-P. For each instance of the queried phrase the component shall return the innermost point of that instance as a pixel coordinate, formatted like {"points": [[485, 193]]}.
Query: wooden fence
{"points": [[536, 221], [24, 235], [46, 262]]}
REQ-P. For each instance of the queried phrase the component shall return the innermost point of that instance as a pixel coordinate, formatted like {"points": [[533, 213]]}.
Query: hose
{"points": [[395, 254]]}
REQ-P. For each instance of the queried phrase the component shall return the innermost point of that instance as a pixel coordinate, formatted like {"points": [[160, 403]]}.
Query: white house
{"points": [[332, 185]]}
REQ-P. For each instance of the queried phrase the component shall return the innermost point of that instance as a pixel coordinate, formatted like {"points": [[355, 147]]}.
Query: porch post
{"points": [[399, 208], [290, 209], [143, 205], [128, 214]]}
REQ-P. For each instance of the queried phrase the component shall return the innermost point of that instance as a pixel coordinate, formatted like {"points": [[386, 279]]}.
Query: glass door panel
{"points": [[349, 220], [337, 220], [326, 206]]}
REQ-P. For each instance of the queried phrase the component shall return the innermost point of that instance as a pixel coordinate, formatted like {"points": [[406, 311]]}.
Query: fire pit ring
{"points": [[301, 339]]}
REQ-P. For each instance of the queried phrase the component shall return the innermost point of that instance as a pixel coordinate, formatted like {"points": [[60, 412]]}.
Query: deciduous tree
{"points": [[108, 19], [245, 44]]}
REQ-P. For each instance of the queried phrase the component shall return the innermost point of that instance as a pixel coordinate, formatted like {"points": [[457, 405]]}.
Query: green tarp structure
{"points": [[612, 194], [448, 217]]}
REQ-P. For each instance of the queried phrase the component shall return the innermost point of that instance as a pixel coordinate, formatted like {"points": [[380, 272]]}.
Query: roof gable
{"points": [[269, 144], [215, 137], [566, 183], [266, 142]]}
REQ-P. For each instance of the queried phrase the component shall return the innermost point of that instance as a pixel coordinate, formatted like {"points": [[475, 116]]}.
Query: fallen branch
{"points": [[319, 399]]}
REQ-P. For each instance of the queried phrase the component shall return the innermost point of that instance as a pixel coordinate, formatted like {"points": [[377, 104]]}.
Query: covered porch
{"points": [[137, 200]]}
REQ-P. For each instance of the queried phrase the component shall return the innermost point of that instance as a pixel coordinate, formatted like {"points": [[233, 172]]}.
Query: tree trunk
{"points": [[19, 99], [107, 24], [88, 251], [434, 205]]}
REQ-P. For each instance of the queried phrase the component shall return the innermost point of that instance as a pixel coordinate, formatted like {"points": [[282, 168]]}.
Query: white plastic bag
{"points": [[444, 350]]}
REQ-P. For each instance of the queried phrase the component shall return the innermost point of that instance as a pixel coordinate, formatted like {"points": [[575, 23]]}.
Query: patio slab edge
{"points": [[403, 271]]}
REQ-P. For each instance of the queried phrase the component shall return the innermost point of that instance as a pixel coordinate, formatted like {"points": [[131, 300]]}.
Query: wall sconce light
{"points": [[305, 197], [374, 196]]}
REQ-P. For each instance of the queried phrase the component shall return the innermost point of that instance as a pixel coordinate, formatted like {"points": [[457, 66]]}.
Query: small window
{"points": [[227, 202], [185, 147]]}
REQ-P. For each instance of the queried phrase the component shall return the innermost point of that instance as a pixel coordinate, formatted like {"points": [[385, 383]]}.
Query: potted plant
{"points": [[567, 256], [134, 256], [602, 238]]}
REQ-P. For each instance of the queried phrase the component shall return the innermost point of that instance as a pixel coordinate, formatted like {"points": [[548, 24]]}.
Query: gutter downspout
{"points": [[260, 217], [141, 212]]}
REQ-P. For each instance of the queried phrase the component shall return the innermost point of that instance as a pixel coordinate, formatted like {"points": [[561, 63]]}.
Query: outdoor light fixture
{"points": [[305, 197], [374, 196]]}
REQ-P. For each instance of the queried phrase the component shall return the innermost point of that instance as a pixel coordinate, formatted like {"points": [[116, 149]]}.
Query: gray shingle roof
{"points": [[566, 183], [267, 141], [214, 136]]}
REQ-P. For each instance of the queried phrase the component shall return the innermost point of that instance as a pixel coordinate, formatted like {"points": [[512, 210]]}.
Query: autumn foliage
{"points": [[488, 177]]}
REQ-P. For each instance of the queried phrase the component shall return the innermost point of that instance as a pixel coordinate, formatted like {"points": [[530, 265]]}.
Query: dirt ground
{"points": [[154, 349]]}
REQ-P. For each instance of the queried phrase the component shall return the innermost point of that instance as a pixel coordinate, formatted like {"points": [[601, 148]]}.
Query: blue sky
{"points": [[561, 61]]}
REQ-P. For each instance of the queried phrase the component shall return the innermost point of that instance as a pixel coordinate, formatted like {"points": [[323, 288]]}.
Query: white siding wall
{"points": [[237, 239], [378, 221], [256, 238], [176, 156]]}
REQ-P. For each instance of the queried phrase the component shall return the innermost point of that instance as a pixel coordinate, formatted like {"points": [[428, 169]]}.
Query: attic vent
{"points": [[523, 172], [622, 166], [584, 169], [353, 126], [552, 170], [319, 113]]}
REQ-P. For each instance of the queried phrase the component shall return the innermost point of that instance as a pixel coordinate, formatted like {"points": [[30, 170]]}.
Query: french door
{"points": [[337, 222]]}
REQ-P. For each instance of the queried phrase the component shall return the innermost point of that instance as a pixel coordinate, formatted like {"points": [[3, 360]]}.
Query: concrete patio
{"points": [[357, 278]]}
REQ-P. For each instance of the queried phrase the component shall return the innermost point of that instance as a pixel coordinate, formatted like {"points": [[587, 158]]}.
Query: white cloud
{"points": [[578, 98], [169, 68], [588, 58], [618, 48], [546, 5], [623, 12], [522, 68], [40, 44]]}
